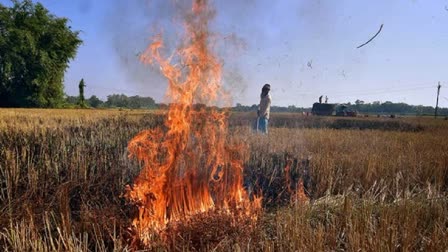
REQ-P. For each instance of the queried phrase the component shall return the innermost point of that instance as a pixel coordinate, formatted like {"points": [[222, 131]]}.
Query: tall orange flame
{"points": [[188, 166]]}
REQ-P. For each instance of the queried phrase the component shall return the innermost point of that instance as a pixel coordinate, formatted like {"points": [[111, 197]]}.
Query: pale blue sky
{"points": [[403, 64]]}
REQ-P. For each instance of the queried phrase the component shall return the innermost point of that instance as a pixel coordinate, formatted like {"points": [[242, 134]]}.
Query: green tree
{"points": [[117, 101], [94, 101], [35, 49], [135, 102], [71, 100], [82, 100]]}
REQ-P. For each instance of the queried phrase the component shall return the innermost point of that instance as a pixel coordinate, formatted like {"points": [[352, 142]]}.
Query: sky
{"points": [[303, 48]]}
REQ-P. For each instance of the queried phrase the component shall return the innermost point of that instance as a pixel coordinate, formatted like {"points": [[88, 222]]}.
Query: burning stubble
{"points": [[190, 167]]}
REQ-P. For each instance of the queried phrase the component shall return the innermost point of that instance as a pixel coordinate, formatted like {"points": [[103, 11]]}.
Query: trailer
{"points": [[323, 109], [328, 109]]}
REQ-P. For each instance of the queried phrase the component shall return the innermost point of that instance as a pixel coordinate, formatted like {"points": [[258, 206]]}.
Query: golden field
{"points": [[377, 184]]}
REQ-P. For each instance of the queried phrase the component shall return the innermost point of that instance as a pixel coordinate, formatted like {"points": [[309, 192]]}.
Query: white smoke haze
{"points": [[128, 27], [239, 30], [264, 41], [131, 25], [239, 26]]}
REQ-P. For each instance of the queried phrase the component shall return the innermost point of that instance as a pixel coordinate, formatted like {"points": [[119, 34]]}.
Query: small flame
{"points": [[295, 189], [189, 167]]}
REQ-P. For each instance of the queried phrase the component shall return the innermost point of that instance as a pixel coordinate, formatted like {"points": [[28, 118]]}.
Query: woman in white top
{"points": [[264, 109]]}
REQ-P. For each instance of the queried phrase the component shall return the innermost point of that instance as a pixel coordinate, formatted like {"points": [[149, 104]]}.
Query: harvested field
{"points": [[375, 184]]}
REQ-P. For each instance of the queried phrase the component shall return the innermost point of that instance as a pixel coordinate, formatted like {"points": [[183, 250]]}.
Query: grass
{"points": [[378, 184]]}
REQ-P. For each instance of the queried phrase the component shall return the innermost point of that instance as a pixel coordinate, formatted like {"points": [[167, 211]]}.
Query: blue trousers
{"points": [[262, 125]]}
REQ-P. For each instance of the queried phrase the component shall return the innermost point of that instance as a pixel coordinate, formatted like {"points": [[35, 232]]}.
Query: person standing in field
{"points": [[264, 109]]}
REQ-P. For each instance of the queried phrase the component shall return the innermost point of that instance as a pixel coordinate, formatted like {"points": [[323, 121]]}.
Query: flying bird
{"points": [[310, 64]]}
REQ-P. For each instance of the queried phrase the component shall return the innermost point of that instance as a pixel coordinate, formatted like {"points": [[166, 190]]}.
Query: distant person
{"points": [[326, 99], [264, 109], [320, 99]]}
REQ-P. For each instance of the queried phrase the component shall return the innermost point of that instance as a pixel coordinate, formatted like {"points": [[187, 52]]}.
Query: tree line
{"points": [[291, 108], [389, 107], [112, 101], [375, 107]]}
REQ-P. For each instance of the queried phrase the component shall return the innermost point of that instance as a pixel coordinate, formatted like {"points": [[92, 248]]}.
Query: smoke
{"points": [[131, 26], [254, 42], [276, 36]]}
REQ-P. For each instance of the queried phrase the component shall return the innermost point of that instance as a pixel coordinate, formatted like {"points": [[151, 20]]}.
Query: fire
{"points": [[296, 189], [189, 166]]}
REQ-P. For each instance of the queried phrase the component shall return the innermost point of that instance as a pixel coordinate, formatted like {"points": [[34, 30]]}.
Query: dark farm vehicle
{"points": [[323, 109], [344, 110], [328, 109]]}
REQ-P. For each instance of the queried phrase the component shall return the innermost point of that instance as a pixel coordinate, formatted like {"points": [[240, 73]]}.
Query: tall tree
{"points": [[82, 100], [35, 49]]}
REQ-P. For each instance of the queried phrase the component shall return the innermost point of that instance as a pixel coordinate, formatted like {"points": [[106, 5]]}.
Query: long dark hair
{"points": [[265, 90]]}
